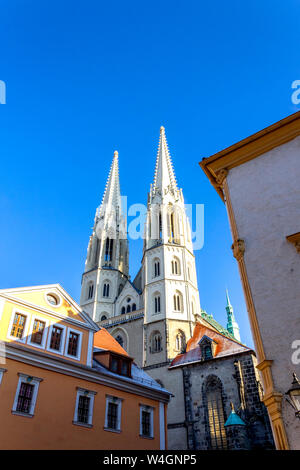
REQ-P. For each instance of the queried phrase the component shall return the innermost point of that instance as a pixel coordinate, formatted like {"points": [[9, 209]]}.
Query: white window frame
{"points": [[23, 378], [91, 395], [148, 409], [80, 334], [25, 331], [45, 333], [2, 303], [63, 337], [1, 374], [116, 401]]}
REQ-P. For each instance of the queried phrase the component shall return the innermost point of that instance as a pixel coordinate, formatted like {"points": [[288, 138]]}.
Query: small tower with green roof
{"points": [[232, 325]]}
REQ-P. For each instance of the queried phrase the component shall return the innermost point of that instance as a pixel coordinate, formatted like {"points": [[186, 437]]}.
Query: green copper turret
{"points": [[232, 325]]}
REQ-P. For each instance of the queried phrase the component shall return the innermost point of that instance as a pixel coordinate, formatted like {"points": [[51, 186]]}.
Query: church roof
{"points": [[225, 346], [210, 319]]}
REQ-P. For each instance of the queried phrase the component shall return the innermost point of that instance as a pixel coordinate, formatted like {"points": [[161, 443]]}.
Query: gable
{"points": [[128, 292], [224, 346], [50, 299]]}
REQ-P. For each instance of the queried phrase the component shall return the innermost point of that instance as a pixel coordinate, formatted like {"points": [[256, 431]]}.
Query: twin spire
{"points": [[112, 194], [164, 176]]}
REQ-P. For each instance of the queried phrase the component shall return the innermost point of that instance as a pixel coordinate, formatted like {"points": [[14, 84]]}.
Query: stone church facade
{"points": [[153, 317]]}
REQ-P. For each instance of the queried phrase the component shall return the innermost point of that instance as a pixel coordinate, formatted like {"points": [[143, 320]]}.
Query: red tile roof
{"points": [[104, 340], [225, 346]]}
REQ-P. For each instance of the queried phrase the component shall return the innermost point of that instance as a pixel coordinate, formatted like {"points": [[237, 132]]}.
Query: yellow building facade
{"points": [[57, 391]]}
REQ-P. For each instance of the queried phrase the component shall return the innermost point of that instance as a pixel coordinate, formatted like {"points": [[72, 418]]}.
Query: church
{"points": [[157, 318]]}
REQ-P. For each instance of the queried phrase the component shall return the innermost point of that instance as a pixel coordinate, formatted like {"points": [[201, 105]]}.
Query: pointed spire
{"points": [[227, 298], [112, 195], [232, 325], [164, 174]]}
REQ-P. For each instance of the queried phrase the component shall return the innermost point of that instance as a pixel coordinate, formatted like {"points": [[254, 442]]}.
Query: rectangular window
{"points": [[83, 409], [83, 415], [114, 365], [56, 336], [38, 331], [124, 368], [18, 326], [73, 343], [146, 421], [146, 417], [25, 397], [112, 415]]}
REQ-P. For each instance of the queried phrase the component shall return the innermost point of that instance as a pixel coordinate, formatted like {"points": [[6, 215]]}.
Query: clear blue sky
{"points": [[86, 78]]}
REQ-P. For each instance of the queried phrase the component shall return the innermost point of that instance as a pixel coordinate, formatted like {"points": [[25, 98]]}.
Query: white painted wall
{"points": [[265, 195]]}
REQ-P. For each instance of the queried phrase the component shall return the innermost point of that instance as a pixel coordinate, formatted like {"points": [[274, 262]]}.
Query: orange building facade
{"points": [[65, 384]]}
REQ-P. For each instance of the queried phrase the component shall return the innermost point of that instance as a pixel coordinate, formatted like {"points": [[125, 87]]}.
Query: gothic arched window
{"points": [[157, 303], [177, 302], [156, 268], [173, 225], [106, 289], [156, 342], [103, 318], [128, 309], [108, 254], [180, 342], [120, 340], [175, 263], [215, 413], [90, 290], [133, 307], [123, 310]]}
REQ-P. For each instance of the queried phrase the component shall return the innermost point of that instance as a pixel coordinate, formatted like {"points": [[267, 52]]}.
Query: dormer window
{"points": [[120, 365], [207, 352], [208, 348]]}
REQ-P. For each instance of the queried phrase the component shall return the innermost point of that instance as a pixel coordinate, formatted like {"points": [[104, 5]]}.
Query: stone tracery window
{"points": [[156, 303], [178, 302], [175, 264], [215, 413], [156, 270], [120, 340], [90, 290], [156, 342], [180, 341], [106, 288]]}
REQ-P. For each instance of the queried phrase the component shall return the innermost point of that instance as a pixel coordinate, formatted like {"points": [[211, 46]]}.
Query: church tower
{"points": [[171, 297], [106, 266]]}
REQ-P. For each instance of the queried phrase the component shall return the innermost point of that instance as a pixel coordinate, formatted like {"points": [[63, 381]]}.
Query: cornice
{"points": [[44, 361], [216, 167]]}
